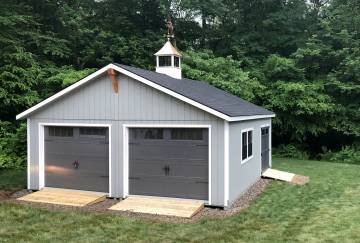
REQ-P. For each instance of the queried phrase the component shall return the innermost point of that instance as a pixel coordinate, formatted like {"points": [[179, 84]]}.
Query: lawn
{"points": [[327, 209]]}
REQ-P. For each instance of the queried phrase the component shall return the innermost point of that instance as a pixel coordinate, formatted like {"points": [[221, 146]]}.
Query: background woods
{"points": [[299, 58]]}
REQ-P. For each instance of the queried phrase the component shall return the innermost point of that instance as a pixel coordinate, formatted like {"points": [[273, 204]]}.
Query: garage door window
{"points": [[246, 148], [151, 133], [93, 131], [186, 134], [61, 131]]}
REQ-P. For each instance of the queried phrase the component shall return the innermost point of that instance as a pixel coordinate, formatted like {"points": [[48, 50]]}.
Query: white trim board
{"points": [[28, 123], [145, 81], [126, 151], [41, 133], [226, 163]]}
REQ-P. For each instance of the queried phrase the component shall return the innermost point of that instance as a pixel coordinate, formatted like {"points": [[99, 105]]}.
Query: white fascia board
{"points": [[244, 118], [62, 92]]}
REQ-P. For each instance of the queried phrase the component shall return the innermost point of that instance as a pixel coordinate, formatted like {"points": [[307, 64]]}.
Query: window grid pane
{"points": [[249, 143], [186, 134], [176, 62], [244, 145], [61, 131], [164, 61]]}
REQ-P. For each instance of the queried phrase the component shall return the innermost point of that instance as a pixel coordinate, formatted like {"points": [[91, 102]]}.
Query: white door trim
{"points": [[270, 157], [126, 151], [42, 148]]}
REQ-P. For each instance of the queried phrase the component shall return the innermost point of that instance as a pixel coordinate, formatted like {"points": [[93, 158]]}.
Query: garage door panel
{"points": [[157, 151], [175, 169], [76, 162], [170, 187], [73, 148]]}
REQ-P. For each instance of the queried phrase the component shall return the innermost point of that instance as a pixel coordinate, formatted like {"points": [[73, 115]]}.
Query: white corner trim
{"points": [[241, 145], [41, 132], [41, 154], [226, 163], [126, 128], [28, 153], [145, 81]]}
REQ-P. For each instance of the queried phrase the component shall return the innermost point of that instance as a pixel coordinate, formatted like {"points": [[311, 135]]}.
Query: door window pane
{"points": [[148, 133], [61, 131], [186, 134]]}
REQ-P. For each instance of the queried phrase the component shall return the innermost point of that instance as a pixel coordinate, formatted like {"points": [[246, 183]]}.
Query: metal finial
{"points": [[170, 28]]}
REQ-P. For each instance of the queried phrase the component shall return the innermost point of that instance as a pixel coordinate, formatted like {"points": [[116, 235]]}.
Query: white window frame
{"points": [[243, 161]]}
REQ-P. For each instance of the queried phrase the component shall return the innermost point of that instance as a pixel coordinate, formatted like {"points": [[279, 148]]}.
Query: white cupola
{"points": [[168, 59]]}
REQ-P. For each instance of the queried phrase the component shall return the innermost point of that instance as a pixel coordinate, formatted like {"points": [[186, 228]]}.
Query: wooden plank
{"points": [[64, 197], [286, 176], [278, 175], [160, 205]]}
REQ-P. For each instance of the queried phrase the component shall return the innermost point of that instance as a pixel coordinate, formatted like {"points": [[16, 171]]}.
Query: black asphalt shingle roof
{"points": [[202, 93]]}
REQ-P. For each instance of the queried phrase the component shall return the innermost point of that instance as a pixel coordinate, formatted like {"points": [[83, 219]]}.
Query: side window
{"points": [[247, 145]]}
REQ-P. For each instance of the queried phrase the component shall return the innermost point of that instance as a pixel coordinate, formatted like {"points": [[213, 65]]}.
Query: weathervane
{"points": [[170, 29]]}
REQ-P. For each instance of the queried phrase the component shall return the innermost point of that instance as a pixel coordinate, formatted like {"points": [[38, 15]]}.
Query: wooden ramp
{"points": [[185, 208], [64, 197], [285, 176]]}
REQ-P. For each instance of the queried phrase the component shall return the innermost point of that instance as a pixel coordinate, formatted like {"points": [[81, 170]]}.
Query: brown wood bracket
{"points": [[112, 74]]}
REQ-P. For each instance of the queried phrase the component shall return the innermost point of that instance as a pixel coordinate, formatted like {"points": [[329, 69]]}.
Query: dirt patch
{"points": [[300, 180], [208, 212], [4, 195]]}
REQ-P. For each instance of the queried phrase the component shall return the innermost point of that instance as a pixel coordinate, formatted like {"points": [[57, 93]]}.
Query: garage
{"points": [[77, 158], [169, 162]]}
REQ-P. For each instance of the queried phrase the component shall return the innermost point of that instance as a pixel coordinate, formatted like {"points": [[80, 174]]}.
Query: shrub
{"points": [[12, 145], [290, 151], [348, 154]]}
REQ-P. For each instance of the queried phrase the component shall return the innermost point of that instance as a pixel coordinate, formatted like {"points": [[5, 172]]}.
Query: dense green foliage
{"points": [[299, 58], [325, 210]]}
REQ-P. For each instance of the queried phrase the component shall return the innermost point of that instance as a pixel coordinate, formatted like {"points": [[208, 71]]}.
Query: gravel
{"points": [[208, 212]]}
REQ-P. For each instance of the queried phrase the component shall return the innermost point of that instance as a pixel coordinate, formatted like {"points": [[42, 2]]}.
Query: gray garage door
{"points": [[77, 158], [169, 162]]}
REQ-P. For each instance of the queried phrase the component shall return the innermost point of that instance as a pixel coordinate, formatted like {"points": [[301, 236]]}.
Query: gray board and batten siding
{"points": [[96, 103], [243, 175]]}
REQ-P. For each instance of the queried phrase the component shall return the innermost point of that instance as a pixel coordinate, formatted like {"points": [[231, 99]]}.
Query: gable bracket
{"points": [[112, 74]]}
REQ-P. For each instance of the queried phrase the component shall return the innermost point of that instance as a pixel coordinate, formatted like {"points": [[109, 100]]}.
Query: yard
{"points": [[327, 209]]}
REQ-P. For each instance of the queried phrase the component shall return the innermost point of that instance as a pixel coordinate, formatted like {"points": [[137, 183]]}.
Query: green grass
{"points": [[11, 180], [325, 210]]}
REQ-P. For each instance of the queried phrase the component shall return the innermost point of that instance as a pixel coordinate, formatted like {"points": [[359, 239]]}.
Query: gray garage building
{"points": [[128, 131]]}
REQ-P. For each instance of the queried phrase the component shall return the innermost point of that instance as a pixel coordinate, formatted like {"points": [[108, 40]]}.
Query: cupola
{"points": [[168, 58]]}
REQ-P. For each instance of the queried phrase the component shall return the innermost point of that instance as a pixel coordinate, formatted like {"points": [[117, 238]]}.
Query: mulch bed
{"points": [[4, 195], [208, 212]]}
